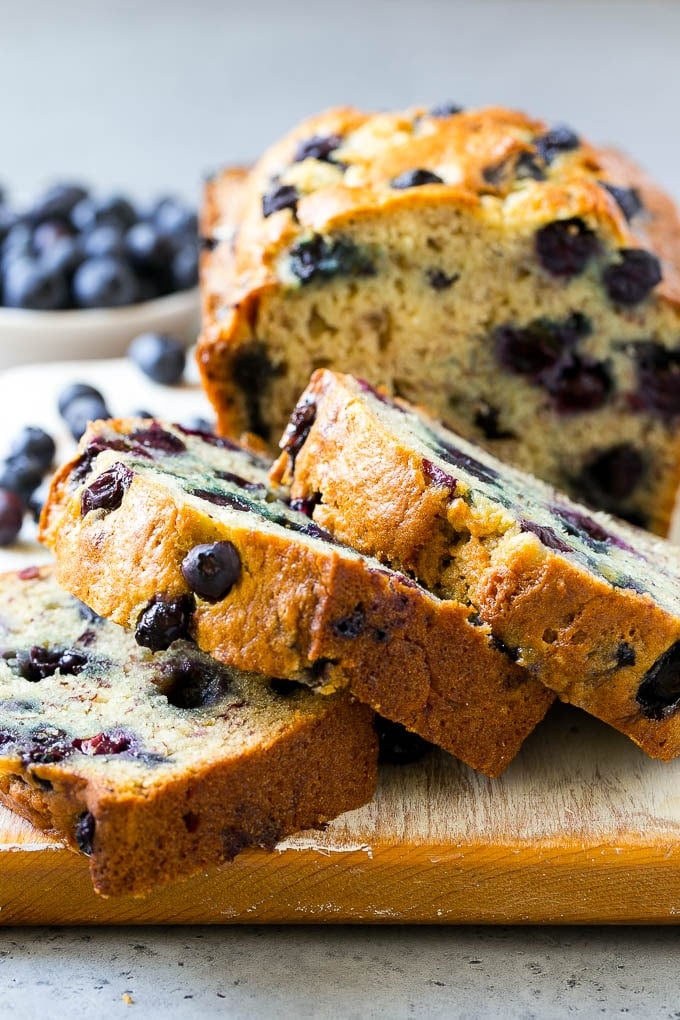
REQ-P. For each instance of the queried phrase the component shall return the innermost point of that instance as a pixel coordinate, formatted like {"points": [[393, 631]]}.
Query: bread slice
{"points": [[158, 766], [518, 282], [174, 534], [590, 605]]}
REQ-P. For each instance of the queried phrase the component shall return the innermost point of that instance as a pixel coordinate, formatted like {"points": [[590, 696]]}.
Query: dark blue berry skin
{"points": [[28, 284], [75, 390], [21, 474], [164, 621], [564, 247], [445, 110], [285, 196], [174, 219], [159, 357], [320, 259], [212, 570], [108, 489], [611, 475], [83, 410], [114, 210], [34, 442], [103, 240], [104, 283], [319, 147], [577, 383], [11, 516], [659, 693], [147, 249], [633, 277], [184, 271], [628, 200], [57, 202], [8, 219], [37, 499], [63, 257], [48, 233], [17, 244], [414, 179], [556, 141], [658, 378]]}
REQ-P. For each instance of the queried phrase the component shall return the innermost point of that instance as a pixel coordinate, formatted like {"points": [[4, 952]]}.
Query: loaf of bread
{"points": [[157, 766], [176, 534], [590, 605], [516, 281]]}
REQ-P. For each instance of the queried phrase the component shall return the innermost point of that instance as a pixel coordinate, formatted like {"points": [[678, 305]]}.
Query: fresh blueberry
{"points": [[158, 356], [63, 257], [114, 210], [17, 243], [29, 284], [173, 218], [34, 442], [184, 271], [104, 283], [319, 147], [629, 200], [57, 202], [81, 411], [8, 219], [565, 246], [285, 196], [21, 474], [75, 390], [415, 179], [147, 248], [11, 516], [102, 241], [630, 280], [556, 141], [164, 621], [212, 570], [48, 233]]}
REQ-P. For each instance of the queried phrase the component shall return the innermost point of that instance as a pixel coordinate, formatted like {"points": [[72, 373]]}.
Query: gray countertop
{"points": [[148, 96]]}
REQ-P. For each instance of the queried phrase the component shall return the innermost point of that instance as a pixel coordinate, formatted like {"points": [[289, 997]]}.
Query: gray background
{"points": [[147, 96]]}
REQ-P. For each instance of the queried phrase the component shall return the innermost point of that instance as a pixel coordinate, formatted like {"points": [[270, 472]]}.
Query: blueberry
{"points": [[526, 168], [547, 535], [319, 147], [625, 655], [8, 219], [659, 692], [34, 442], [415, 179], [107, 490], [439, 280], [114, 741], [445, 110], [531, 349], [47, 234], [579, 524], [40, 662], [556, 141], [630, 280], [212, 570], [164, 621], [85, 833], [155, 437], [17, 243], [611, 474], [629, 200], [189, 683], [158, 356], [114, 210], [397, 746], [63, 257], [104, 283], [31, 285], [565, 246], [285, 196], [173, 218], [21, 474], [75, 390], [352, 625], [58, 201], [81, 411], [436, 476], [147, 248], [319, 258], [11, 515], [253, 372], [658, 377], [297, 430], [104, 240], [184, 267], [37, 499], [577, 383]]}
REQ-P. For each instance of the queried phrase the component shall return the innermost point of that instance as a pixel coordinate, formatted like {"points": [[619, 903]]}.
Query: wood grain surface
{"points": [[582, 827]]}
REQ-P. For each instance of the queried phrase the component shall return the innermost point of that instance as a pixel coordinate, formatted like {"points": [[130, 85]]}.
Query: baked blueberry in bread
{"points": [[590, 605], [158, 766], [517, 282], [177, 535]]}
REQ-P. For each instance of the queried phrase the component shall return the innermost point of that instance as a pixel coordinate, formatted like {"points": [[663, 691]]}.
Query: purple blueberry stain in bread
{"points": [[284, 196], [114, 741], [85, 833], [107, 490], [156, 438], [39, 662], [487, 420], [164, 621], [222, 498], [545, 534], [305, 506], [84, 463], [415, 179], [632, 278], [211, 570], [253, 372], [577, 383], [190, 683], [564, 247], [532, 349], [658, 378], [436, 476], [581, 525], [610, 475], [659, 692], [45, 745]]}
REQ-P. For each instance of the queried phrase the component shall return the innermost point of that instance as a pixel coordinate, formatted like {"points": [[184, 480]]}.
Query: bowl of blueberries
{"points": [[82, 274]]}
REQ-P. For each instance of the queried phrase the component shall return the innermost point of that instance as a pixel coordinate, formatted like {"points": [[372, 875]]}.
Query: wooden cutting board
{"points": [[581, 828]]}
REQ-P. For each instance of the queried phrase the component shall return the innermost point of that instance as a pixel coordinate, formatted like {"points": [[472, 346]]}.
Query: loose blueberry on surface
{"points": [[184, 267], [36, 443], [556, 141], [564, 247], [285, 196], [48, 234], [320, 258], [21, 474], [319, 147], [531, 349], [547, 535], [445, 110], [658, 377], [147, 248], [397, 746], [164, 621], [212, 570], [611, 474], [73, 391], [577, 383], [415, 179], [107, 490], [29, 284], [633, 277], [298, 428], [158, 356], [173, 218], [628, 200], [190, 683], [11, 516], [439, 280], [659, 693], [104, 282], [82, 410], [85, 833]]}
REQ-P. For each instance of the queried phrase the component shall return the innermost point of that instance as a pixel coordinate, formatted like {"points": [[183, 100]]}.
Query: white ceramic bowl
{"points": [[93, 333]]}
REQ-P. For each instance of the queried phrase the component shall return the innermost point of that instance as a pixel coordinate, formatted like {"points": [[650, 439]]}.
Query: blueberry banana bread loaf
{"points": [[590, 605], [175, 534], [519, 283], [157, 766]]}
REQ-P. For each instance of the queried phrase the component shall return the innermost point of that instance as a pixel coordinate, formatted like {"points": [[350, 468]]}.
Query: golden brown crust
{"points": [[371, 489], [304, 611]]}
